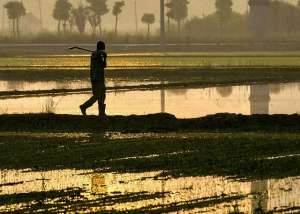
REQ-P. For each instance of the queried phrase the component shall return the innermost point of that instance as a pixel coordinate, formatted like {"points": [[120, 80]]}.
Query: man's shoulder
{"points": [[97, 54]]}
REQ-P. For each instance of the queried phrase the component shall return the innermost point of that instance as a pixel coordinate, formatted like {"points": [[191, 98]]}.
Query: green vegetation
{"points": [[168, 59]]}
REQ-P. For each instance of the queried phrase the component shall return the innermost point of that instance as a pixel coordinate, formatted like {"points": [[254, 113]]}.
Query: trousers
{"points": [[99, 94]]}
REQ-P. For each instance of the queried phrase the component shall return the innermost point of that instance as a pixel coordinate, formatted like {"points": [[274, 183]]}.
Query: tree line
{"points": [[282, 19], [279, 21]]}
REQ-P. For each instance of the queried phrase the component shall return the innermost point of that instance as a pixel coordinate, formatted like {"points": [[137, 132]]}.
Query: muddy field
{"points": [[229, 142], [150, 172]]}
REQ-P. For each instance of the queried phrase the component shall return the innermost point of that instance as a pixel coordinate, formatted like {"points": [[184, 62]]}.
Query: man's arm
{"points": [[104, 59]]}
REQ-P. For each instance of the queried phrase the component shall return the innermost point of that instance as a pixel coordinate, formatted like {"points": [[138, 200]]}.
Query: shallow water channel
{"points": [[183, 102], [49, 85], [92, 190]]}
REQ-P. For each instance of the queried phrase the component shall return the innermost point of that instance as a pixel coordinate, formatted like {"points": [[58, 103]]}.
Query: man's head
{"points": [[100, 46]]}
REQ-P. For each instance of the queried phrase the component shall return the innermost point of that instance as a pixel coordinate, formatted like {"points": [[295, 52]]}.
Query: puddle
{"points": [[184, 103], [89, 190]]}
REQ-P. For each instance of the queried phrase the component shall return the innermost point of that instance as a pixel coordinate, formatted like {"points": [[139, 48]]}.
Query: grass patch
{"points": [[149, 123]]}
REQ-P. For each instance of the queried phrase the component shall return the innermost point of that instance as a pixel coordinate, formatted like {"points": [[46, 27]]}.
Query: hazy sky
{"points": [[127, 18]]}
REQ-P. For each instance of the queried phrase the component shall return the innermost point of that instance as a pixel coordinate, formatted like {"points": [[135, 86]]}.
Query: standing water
{"points": [[183, 102], [92, 191]]}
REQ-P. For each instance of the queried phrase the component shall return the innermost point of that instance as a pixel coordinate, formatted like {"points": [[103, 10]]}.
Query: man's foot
{"points": [[83, 110], [102, 110]]}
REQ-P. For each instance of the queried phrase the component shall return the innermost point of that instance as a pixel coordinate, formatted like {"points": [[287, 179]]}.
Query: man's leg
{"points": [[88, 104], [92, 100], [101, 101]]}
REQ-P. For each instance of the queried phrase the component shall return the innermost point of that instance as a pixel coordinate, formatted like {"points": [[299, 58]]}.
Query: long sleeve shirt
{"points": [[98, 64]]}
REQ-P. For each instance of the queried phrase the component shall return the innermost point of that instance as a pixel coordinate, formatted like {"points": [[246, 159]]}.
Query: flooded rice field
{"points": [[92, 191], [151, 172], [154, 59], [182, 102]]}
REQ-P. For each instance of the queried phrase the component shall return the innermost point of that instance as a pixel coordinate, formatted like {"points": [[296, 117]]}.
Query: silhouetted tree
{"points": [[224, 11], [61, 13], [92, 20], [116, 12], [206, 29], [97, 9], [15, 10], [149, 19], [71, 21], [283, 18], [80, 18], [168, 21], [178, 11]]}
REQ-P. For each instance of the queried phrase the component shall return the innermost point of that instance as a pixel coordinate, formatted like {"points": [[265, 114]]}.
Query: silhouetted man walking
{"points": [[98, 64]]}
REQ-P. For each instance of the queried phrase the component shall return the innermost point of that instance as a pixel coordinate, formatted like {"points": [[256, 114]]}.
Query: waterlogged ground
{"points": [[92, 190], [230, 172], [150, 173], [183, 103]]}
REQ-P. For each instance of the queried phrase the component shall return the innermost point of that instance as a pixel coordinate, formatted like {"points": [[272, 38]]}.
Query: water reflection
{"points": [[90, 190], [275, 88], [184, 103], [176, 92], [163, 99], [259, 99], [260, 191], [72, 84], [224, 91], [46, 85], [15, 85]]}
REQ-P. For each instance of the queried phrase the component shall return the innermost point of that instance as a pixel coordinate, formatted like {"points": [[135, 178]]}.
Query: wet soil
{"points": [[149, 123]]}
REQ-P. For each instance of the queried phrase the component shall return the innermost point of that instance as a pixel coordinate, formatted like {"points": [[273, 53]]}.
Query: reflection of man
{"points": [[98, 184], [260, 201], [98, 64]]}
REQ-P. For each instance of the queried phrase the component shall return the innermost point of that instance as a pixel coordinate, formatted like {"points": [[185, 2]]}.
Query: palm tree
{"points": [[71, 21], [117, 10], [92, 20], [80, 18], [15, 10], [162, 21], [224, 11], [40, 9], [97, 9], [61, 13], [149, 19], [178, 11]]}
